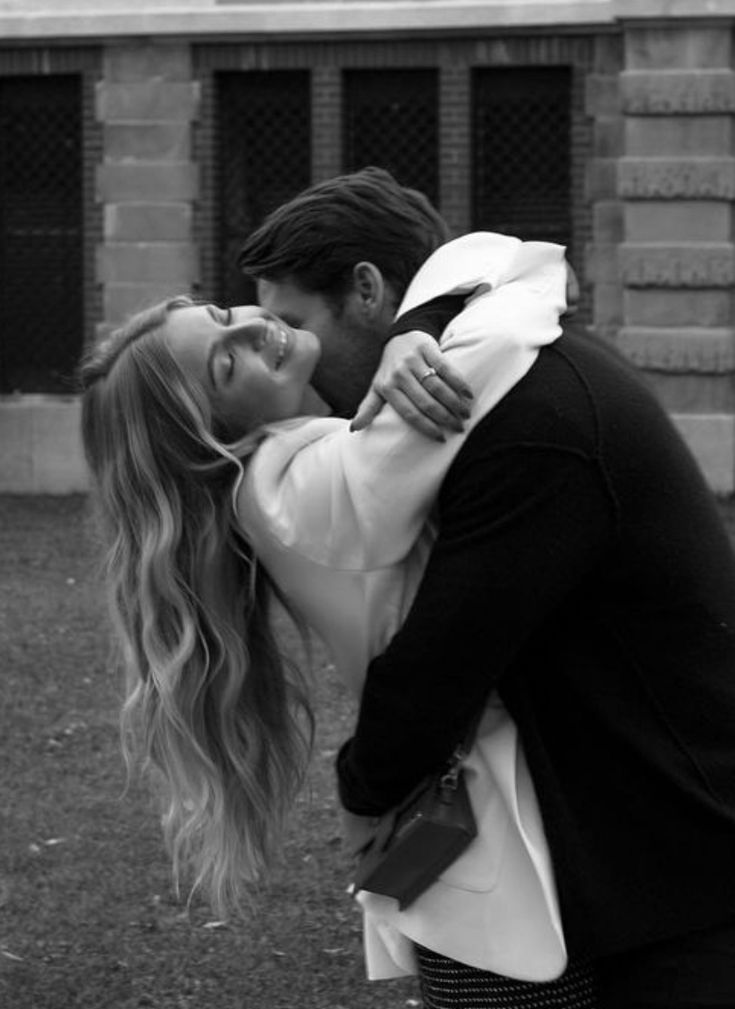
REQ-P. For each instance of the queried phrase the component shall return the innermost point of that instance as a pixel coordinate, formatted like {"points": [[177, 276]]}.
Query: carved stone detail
{"points": [[676, 178], [692, 265], [687, 350], [672, 92]]}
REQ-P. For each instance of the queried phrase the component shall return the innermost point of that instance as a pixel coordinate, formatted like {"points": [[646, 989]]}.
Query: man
{"points": [[581, 569]]}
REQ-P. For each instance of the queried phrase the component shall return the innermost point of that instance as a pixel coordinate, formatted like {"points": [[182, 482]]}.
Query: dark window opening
{"points": [[521, 128], [41, 233], [263, 159], [390, 120]]}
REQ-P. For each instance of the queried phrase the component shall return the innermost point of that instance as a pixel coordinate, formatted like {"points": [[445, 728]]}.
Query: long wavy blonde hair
{"points": [[211, 702]]}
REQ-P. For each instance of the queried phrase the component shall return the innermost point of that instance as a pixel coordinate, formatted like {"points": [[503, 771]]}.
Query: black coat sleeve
{"points": [[519, 527], [432, 317]]}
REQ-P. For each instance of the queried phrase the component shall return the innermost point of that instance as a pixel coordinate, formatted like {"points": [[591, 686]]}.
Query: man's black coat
{"points": [[583, 570]]}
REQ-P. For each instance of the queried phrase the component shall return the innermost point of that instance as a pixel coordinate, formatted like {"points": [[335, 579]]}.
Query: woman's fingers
{"points": [[368, 410], [430, 395], [444, 385], [426, 391]]}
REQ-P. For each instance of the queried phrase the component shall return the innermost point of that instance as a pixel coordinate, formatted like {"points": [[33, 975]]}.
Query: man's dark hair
{"points": [[318, 237]]}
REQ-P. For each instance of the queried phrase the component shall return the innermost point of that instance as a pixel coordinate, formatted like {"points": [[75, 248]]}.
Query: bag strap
{"points": [[454, 764]]}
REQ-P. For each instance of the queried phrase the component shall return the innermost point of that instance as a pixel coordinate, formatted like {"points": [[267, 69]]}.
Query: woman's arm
{"points": [[433, 404], [440, 403], [358, 501]]}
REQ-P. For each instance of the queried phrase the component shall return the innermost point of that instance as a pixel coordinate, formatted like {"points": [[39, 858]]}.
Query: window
{"points": [[263, 159], [390, 120], [521, 128], [41, 233]]}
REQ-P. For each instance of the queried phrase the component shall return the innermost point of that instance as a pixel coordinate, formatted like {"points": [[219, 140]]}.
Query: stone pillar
{"points": [[676, 263], [326, 122], [454, 146], [603, 106], [147, 181]]}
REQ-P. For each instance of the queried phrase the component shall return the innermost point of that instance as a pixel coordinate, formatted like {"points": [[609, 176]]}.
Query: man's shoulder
{"points": [[578, 392], [550, 405]]}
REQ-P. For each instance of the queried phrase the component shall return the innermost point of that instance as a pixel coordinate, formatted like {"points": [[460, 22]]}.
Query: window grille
{"points": [[522, 152], [263, 159], [390, 120], [41, 233]]}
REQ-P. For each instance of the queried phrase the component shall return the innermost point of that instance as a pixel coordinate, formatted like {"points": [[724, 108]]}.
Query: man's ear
{"points": [[572, 292], [369, 287]]}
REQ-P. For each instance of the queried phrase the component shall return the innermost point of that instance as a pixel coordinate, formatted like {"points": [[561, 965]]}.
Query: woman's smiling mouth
{"points": [[281, 347]]}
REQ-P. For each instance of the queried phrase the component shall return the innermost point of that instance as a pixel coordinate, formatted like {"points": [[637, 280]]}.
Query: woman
{"points": [[188, 425]]}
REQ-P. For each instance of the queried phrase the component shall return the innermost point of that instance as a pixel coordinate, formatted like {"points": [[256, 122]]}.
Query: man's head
{"points": [[337, 260]]}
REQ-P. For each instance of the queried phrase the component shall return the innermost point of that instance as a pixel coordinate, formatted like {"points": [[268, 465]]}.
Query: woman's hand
{"points": [[420, 385]]}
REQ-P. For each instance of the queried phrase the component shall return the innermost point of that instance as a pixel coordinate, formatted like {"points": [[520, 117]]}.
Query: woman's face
{"points": [[253, 368]]}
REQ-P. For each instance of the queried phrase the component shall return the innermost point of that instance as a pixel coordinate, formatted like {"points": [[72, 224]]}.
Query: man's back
{"points": [[582, 568], [625, 690]]}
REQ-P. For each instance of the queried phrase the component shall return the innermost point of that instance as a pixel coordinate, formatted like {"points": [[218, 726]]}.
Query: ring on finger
{"points": [[427, 374]]}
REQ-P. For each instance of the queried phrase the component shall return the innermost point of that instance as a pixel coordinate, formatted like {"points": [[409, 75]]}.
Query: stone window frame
{"points": [[85, 61]]}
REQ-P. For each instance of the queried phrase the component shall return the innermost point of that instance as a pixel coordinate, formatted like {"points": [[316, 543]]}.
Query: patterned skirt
{"points": [[446, 984]]}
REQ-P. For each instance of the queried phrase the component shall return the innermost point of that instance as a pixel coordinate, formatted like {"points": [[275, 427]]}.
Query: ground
{"points": [[88, 919]]}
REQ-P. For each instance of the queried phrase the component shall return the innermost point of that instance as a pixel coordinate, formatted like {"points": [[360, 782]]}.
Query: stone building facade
{"points": [[193, 122]]}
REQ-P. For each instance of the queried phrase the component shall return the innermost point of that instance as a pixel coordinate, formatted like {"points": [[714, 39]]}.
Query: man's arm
{"points": [[518, 528]]}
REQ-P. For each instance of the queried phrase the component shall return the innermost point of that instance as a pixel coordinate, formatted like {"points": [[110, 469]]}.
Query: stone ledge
{"points": [[684, 350], [699, 9], [263, 19], [686, 265], [677, 92], [40, 446], [699, 46], [676, 178], [124, 63]]}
